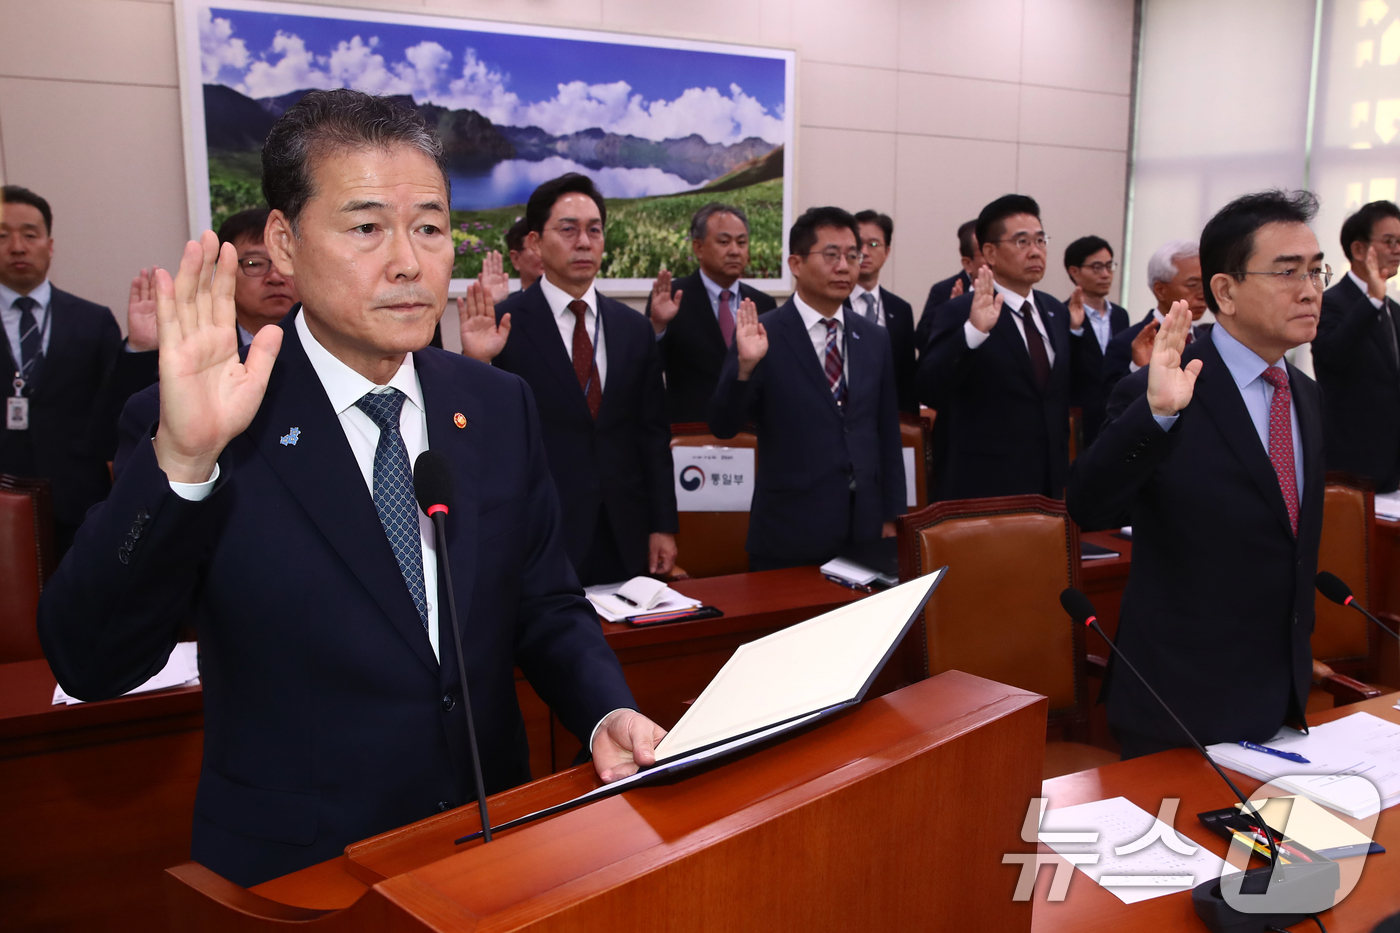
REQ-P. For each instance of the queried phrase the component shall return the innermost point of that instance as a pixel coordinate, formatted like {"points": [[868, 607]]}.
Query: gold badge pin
{"points": [[460, 420]]}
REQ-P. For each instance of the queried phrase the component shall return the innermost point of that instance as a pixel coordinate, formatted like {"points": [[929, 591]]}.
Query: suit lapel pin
{"points": [[290, 439], [460, 420]]}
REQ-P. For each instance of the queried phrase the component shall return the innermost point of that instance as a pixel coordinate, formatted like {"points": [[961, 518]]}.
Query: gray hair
{"points": [[700, 223], [1162, 266], [325, 122]]}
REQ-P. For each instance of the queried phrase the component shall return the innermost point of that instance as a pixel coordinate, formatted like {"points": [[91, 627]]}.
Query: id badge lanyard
{"points": [[17, 405]]}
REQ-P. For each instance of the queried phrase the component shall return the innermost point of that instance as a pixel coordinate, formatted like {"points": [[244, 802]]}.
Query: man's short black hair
{"points": [[327, 122], [880, 220], [14, 194], [991, 222], [967, 234], [1358, 227], [245, 225], [803, 235], [1084, 247], [542, 200], [515, 236], [1227, 242]]}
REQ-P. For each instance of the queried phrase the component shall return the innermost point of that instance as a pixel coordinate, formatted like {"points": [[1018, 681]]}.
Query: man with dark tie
{"points": [[817, 383], [1355, 353], [694, 316], [1174, 274], [595, 371], [970, 255], [1216, 448], [999, 368], [1089, 262], [271, 503], [880, 306], [67, 371], [261, 294]]}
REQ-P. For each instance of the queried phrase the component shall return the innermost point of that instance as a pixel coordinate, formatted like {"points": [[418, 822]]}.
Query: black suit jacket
{"points": [[938, 294], [1218, 610], [997, 433], [1355, 365], [1091, 396], [692, 349], [327, 717], [78, 389], [623, 460], [899, 325], [810, 450]]}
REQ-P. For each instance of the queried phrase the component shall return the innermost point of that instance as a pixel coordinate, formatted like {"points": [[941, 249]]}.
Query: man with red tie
{"points": [[1216, 449], [593, 366]]}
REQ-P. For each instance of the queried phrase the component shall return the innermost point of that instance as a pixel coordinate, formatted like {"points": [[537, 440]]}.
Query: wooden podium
{"points": [[894, 816]]}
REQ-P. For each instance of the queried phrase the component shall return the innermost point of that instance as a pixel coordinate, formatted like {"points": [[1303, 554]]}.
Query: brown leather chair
{"points": [[916, 431], [998, 615], [710, 544], [1346, 650], [26, 563]]}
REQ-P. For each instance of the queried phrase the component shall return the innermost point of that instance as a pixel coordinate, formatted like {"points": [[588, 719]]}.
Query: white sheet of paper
{"points": [[181, 670], [1388, 505], [1138, 876], [803, 668], [612, 609], [713, 479]]}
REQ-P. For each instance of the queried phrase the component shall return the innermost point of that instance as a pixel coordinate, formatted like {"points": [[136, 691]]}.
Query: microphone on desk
{"points": [[1335, 589], [432, 486], [1260, 899]]}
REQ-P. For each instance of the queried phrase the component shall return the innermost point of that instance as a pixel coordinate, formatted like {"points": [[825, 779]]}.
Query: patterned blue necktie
{"points": [[29, 336], [393, 492]]}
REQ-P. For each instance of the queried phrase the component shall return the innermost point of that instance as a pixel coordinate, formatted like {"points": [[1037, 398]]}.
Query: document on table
{"points": [[1388, 505], [1149, 870], [611, 609], [181, 670]]}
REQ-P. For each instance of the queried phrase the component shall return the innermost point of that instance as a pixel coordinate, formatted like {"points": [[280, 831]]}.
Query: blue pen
{"points": [[1291, 756]]}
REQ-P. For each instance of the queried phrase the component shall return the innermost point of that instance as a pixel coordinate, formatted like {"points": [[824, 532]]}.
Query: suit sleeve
{"points": [[945, 358], [127, 374], [1341, 328], [112, 612], [1116, 361], [733, 401], [891, 445], [655, 429]]}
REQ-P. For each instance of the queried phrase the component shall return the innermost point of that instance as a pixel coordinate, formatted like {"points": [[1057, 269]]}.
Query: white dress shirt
{"points": [[559, 304], [1360, 283], [814, 322], [1013, 302], [858, 302], [1101, 322], [43, 294], [344, 387]]}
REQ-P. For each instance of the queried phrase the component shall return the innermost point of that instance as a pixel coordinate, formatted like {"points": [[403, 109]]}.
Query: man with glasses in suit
{"points": [[881, 306], [1090, 265], [261, 294]]}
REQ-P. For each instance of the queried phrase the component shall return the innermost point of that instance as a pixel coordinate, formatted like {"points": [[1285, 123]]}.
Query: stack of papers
{"points": [[1300, 819], [611, 609], [182, 670], [1354, 764], [849, 572], [1388, 505]]}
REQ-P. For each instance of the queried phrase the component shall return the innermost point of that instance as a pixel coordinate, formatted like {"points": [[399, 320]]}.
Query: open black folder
{"points": [[777, 685]]}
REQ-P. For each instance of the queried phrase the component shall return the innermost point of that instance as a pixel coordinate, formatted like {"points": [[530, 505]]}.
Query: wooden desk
{"points": [[95, 801], [1182, 773]]}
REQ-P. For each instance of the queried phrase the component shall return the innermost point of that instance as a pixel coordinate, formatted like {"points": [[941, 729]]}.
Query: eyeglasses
{"points": [[873, 244], [1389, 242], [1099, 268], [834, 254], [255, 267], [1320, 278], [1024, 241], [571, 232]]}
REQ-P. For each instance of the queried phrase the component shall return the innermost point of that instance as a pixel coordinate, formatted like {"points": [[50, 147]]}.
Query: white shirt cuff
{"points": [[594, 734], [1165, 422], [1133, 367], [1077, 333], [975, 338], [196, 492], [1375, 302], [660, 335]]}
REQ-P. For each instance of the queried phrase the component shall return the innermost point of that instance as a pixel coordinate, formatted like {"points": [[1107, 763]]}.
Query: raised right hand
{"points": [[1142, 344], [1169, 385], [207, 396], [986, 303], [482, 338], [1375, 285], [750, 337], [664, 305], [956, 290]]}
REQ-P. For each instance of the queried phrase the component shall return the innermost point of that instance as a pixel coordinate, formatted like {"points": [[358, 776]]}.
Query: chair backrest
{"points": [[997, 614], [1342, 637], [26, 562], [711, 544], [914, 432]]}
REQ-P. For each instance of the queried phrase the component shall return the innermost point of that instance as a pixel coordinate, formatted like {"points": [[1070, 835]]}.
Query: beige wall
{"points": [[923, 109]]}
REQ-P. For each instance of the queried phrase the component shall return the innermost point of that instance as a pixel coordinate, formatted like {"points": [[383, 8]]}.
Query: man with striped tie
{"points": [[818, 386]]}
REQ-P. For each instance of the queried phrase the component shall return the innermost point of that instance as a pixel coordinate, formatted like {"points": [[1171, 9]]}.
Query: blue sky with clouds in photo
{"points": [[560, 85]]}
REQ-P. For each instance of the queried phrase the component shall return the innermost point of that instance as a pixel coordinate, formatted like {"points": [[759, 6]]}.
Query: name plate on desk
{"points": [[713, 479]]}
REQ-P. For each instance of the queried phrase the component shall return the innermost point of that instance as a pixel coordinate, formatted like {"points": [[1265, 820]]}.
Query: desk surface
{"points": [[1182, 773]]}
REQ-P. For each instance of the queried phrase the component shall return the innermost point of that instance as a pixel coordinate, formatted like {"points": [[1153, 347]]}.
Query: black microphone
{"points": [[1278, 895], [1335, 589], [432, 486]]}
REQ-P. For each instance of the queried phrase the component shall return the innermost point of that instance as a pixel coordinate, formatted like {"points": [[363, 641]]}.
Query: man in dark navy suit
{"points": [[881, 306], [1090, 264], [970, 255], [999, 368], [1356, 354], [1216, 448], [261, 294], [74, 369], [270, 502], [694, 316], [596, 374], [1173, 274], [817, 383]]}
